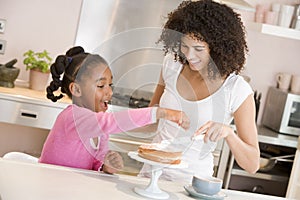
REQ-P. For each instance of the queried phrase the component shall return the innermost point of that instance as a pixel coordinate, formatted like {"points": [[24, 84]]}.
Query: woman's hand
{"points": [[113, 162], [214, 131], [176, 116]]}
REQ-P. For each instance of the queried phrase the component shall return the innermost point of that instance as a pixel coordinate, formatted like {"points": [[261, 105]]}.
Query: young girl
{"points": [[79, 137]]}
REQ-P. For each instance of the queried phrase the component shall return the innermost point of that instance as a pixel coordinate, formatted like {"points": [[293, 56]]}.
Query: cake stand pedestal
{"points": [[152, 190]]}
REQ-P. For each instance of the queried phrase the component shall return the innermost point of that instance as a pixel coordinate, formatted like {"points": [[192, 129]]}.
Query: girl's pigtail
{"points": [[60, 66], [75, 51], [57, 69]]}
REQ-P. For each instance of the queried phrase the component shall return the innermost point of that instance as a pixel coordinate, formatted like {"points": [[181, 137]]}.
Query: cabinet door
{"points": [[293, 191], [28, 114]]}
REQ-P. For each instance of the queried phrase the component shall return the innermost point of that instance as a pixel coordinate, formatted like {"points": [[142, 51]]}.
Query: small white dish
{"points": [[193, 193]]}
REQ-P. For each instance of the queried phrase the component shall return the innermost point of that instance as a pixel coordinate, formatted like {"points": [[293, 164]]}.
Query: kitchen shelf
{"points": [[273, 30], [271, 177]]}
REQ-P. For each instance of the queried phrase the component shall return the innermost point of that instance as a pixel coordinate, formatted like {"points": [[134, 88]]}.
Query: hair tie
{"points": [[69, 59]]}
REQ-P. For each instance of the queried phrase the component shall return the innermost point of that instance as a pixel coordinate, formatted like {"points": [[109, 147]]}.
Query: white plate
{"points": [[193, 193], [135, 155]]}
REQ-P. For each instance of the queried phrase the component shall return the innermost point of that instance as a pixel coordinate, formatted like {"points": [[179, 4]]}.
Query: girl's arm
{"points": [[90, 124]]}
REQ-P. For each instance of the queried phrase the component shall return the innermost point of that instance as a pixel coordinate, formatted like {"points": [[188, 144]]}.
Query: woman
{"points": [[205, 49]]}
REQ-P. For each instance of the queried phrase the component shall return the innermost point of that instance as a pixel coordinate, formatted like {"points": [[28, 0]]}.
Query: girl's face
{"points": [[196, 52], [96, 89]]}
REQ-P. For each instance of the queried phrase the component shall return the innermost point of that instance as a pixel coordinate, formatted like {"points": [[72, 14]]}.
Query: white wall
{"points": [[38, 25], [269, 55]]}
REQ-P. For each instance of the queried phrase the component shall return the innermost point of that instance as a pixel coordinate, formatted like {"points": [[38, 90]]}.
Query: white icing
{"points": [[165, 145]]}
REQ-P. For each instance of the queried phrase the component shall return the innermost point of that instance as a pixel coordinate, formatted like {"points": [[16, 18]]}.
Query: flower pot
{"points": [[38, 80]]}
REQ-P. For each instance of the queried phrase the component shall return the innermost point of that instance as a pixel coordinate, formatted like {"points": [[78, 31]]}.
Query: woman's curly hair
{"points": [[216, 24], [69, 65]]}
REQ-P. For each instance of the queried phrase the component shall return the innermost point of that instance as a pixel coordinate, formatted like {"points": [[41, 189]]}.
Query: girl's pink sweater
{"points": [[69, 141]]}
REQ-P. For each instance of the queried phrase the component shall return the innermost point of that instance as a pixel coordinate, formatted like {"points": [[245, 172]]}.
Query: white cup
{"points": [[295, 84], [276, 8], [259, 13], [271, 17], [285, 15], [283, 81]]}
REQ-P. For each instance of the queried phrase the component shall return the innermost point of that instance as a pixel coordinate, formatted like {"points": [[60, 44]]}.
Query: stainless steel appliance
{"points": [[125, 33], [296, 18], [282, 111]]}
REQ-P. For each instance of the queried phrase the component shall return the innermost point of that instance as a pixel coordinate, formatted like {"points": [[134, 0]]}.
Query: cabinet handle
{"points": [[28, 114]]}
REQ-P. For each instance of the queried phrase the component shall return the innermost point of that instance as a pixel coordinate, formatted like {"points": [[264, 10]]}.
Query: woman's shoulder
{"points": [[239, 89], [170, 65], [235, 82], [235, 79], [169, 61]]}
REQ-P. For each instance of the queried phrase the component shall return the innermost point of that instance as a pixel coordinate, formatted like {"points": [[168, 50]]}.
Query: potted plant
{"points": [[39, 65]]}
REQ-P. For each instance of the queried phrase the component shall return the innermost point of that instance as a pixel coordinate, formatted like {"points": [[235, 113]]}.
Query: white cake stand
{"points": [[152, 190]]}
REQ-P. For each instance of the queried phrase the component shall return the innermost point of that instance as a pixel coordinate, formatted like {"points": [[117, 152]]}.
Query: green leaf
{"points": [[37, 60]]}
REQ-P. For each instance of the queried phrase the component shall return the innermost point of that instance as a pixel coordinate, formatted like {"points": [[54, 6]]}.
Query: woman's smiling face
{"points": [[196, 52], [96, 88]]}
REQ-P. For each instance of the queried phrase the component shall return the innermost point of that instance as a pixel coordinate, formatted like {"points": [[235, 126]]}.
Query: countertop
{"points": [[266, 135], [20, 180], [27, 95]]}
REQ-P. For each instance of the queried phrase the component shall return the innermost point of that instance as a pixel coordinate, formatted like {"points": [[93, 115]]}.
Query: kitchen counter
{"points": [[19, 180], [32, 96], [266, 135]]}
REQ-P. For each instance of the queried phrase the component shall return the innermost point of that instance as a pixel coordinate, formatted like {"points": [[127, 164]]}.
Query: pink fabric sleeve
{"points": [[92, 124], [126, 120]]}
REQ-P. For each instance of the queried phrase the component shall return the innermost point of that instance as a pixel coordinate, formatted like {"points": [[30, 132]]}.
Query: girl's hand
{"points": [[214, 131], [113, 162], [176, 116]]}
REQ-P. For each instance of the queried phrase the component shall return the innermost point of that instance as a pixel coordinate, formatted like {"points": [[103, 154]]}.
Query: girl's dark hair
{"points": [[69, 65], [216, 24]]}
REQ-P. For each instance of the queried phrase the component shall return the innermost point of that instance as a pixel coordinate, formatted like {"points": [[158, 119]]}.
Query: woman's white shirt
{"points": [[218, 107]]}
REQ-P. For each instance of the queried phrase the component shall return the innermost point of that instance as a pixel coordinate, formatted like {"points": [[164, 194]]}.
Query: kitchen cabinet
{"points": [[293, 190], [25, 119], [30, 108], [273, 30], [265, 182]]}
